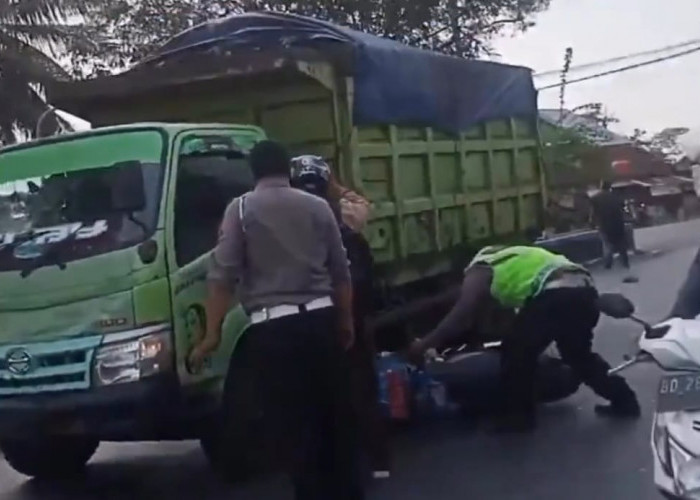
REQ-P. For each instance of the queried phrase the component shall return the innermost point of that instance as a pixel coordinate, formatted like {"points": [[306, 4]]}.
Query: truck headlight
{"points": [[131, 360]]}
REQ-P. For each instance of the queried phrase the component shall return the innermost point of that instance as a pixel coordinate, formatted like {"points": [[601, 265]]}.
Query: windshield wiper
{"points": [[50, 255]]}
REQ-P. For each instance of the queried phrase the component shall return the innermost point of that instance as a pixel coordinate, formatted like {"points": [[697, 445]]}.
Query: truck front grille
{"points": [[62, 365]]}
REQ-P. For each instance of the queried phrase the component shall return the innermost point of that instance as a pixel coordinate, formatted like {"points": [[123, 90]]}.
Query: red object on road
{"points": [[398, 396]]}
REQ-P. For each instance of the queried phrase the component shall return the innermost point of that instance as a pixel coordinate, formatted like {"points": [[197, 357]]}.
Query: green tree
{"points": [[571, 158], [135, 28], [663, 144], [32, 34]]}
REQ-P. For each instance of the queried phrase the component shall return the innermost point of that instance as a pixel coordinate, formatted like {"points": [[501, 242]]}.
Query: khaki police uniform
{"points": [[281, 251]]}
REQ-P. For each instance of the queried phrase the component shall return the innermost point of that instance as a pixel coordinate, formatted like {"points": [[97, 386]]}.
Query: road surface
{"points": [[572, 455]]}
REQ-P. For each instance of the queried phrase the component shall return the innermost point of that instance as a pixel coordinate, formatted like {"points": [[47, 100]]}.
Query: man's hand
{"points": [[347, 334], [416, 352], [342, 298], [199, 352], [218, 302], [461, 318]]}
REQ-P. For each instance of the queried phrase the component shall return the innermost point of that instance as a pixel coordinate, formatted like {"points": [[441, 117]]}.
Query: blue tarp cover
{"points": [[394, 83]]}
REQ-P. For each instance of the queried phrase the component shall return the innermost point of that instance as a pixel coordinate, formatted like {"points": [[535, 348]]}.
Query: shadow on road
{"points": [[174, 476], [185, 475], [451, 447]]}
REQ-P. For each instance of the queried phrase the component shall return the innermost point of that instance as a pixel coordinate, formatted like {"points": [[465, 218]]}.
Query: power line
{"points": [[624, 68], [620, 58]]}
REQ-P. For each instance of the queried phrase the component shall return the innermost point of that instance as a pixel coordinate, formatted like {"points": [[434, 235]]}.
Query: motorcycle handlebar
{"points": [[640, 357]]}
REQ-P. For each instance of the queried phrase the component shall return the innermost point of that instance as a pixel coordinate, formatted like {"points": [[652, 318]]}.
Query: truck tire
{"points": [[235, 445], [50, 457]]}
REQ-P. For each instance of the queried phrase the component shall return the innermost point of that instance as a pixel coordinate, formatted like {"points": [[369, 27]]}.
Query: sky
{"points": [[652, 98]]}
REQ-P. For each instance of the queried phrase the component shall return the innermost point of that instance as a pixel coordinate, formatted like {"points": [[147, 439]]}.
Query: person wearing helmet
{"points": [[556, 301], [313, 175]]}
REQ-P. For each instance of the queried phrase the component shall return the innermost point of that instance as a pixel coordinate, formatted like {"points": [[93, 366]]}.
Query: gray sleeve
{"points": [[227, 259], [338, 264]]}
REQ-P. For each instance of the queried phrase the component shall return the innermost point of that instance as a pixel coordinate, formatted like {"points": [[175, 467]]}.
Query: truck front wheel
{"points": [[49, 457]]}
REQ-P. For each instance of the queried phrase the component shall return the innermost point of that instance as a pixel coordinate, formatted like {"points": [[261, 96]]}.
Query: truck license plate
{"points": [[679, 393]]}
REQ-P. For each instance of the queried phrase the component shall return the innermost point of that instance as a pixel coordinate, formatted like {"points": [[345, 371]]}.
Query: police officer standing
{"points": [[280, 251], [556, 301]]}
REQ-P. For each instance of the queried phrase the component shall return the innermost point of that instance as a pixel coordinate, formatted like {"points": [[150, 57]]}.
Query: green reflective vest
{"points": [[520, 272]]}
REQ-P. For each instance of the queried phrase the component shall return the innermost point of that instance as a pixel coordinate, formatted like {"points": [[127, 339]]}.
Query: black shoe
{"points": [[630, 279], [511, 424], [613, 410]]}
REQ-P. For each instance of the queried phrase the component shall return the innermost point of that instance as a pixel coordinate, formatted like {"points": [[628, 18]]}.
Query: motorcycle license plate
{"points": [[679, 393]]}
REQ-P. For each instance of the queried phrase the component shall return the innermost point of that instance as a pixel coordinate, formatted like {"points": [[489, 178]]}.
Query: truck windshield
{"points": [[86, 196]]}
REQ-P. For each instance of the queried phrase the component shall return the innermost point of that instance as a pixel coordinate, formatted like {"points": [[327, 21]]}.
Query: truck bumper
{"points": [[152, 409]]}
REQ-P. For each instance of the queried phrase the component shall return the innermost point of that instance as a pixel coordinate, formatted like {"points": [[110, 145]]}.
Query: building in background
{"points": [[579, 153]]}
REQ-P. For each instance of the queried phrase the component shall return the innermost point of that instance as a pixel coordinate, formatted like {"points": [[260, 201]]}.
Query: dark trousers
{"points": [[566, 316], [365, 394], [303, 383], [615, 241]]}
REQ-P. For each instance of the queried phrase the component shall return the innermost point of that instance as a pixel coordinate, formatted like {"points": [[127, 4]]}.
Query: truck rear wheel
{"points": [[49, 457]]}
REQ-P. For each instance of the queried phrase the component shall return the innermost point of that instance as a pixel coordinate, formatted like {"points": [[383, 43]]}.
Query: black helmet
{"points": [[311, 173]]}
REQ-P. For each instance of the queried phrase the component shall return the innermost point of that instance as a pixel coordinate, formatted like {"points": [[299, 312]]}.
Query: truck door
{"points": [[207, 175]]}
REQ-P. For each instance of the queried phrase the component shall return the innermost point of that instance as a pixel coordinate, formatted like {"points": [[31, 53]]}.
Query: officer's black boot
{"points": [[627, 409], [623, 401]]}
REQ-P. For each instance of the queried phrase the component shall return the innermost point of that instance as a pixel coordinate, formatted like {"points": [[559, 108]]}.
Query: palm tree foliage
{"points": [[32, 33]]}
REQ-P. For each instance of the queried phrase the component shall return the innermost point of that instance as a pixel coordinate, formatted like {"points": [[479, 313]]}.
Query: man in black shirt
{"points": [[312, 174], [608, 215]]}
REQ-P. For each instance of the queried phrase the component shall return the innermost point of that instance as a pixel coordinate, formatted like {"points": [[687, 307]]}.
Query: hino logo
{"points": [[19, 362]]}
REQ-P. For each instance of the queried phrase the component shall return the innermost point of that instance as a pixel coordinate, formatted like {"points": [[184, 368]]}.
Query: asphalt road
{"points": [[572, 454]]}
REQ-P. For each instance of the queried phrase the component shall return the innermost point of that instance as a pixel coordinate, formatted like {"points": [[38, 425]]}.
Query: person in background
{"points": [[292, 278], [556, 300], [313, 175], [608, 215]]}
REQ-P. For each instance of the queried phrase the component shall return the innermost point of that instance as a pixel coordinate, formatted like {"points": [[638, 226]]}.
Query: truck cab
{"points": [[104, 244]]}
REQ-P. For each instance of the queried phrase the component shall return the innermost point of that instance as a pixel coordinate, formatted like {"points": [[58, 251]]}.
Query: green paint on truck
{"points": [[106, 294], [93, 338]]}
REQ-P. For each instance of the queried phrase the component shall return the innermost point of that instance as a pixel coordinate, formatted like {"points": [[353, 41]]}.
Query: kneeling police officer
{"points": [[556, 300]]}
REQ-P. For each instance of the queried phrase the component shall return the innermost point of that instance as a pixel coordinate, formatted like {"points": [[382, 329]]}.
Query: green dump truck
{"points": [[105, 234]]}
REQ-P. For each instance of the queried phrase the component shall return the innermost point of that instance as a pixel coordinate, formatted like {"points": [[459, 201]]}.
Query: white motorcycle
{"points": [[674, 345]]}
